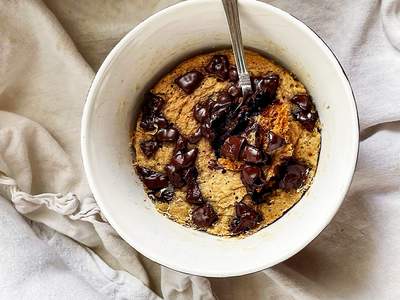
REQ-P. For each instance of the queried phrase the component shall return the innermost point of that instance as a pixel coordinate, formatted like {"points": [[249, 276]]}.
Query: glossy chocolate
{"points": [[246, 218], [204, 216], [190, 81]]}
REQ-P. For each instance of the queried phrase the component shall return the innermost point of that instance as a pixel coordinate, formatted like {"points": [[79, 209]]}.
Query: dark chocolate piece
{"points": [[151, 112], [149, 148], [219, 66], [303, 101], [183, 160], [151, 179], [304, 112], [189, 81], [306, 118], [174, 176], [233, 74], [252, 178], [167, 135], [293, 174], [232, 147], [252, 155], [193, 194], [274, 141], [246, 218], [204, 216]]}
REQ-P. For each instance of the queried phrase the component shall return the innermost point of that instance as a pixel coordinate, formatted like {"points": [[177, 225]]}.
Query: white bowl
{"points": [[115, 96]]}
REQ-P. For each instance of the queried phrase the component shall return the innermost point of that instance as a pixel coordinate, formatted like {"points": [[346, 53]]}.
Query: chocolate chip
{"points": [[151, 112], [233, 74], [265, 91], [166, 194], [220, 107], [207, 131], [219, 66], [200, 112], [246, 218], [204, 216], [274, 141], [193, 194], [303, 111], [196, 137], [306, 118], [153, 103], [151, 179], [232, 147], [174, 176], [252, 155], [183, 160], [234, 91], [160, 121], [252, 178], [181, 144], [167, 135], [303, 101], [293, 174], [149, 148], [189, 81], [263, 196], [190, 174]]}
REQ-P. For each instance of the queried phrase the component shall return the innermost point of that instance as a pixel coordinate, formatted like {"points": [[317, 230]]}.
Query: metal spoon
{"points": [[232, 16]]}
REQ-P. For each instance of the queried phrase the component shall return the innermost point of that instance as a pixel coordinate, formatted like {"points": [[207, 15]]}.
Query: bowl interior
{"points": [[115, 96]]}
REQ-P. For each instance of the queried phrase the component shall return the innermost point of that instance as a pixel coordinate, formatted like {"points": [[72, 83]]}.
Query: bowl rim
{"points": [[87, 115]]}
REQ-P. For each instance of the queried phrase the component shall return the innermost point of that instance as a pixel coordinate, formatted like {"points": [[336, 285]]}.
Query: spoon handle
{"points": [[232, 16]]}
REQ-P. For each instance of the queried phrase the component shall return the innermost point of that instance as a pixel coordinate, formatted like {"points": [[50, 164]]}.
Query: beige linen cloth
{"points": [[62, 248]]}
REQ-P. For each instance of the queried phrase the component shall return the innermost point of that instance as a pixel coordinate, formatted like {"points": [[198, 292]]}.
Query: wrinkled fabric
{"points": [[49, 52]]}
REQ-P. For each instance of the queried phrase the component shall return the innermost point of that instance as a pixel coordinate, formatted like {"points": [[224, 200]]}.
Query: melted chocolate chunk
{"points": [[189, 81], [204, 216], [303, 111], [263, 196], [303, 101], [306, 118], [232, 147], [207, 131], [153, 103], [183, 160], [200, 112], [174, 176], [265, 91], [151, 179], [193, 194], [151, 112], [160, 121], [252, 178], [167, 194], [246, 218], [149, 148], [196, 137], [190, 174], [181, 144], [234, 91], [274, 142], [293, 174], [167, 135], [233, 74], [253, 155], [220, 107], [219, 66]]}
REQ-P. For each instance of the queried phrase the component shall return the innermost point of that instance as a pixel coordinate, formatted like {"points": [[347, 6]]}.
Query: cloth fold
{"points": [[49, 52]]}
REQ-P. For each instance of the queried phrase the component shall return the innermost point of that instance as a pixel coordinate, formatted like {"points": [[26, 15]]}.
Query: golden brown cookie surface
{"points": [[288, 148]]}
